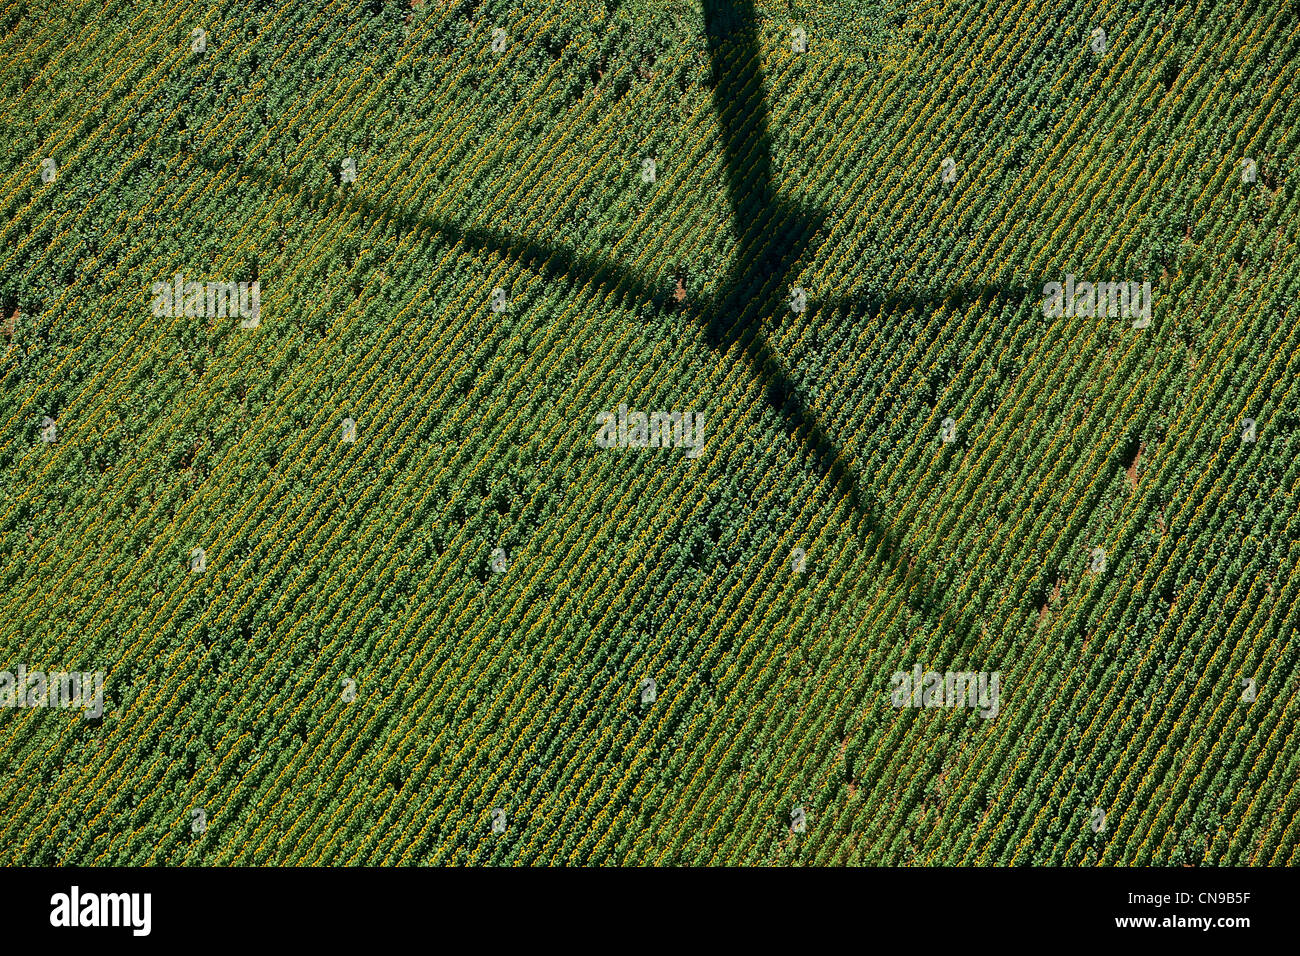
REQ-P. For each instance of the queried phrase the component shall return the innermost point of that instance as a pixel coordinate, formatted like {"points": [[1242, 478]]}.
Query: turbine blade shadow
{"points": [[552, 262]]}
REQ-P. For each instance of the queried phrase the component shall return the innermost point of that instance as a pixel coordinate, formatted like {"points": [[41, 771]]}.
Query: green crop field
{"points": [[723, 432]]}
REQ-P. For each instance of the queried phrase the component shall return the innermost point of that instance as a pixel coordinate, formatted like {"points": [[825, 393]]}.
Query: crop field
{"points": [[679, 432]]}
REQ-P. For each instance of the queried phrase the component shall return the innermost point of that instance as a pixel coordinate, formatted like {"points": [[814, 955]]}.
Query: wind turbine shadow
{"points": [[773, 238]]}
